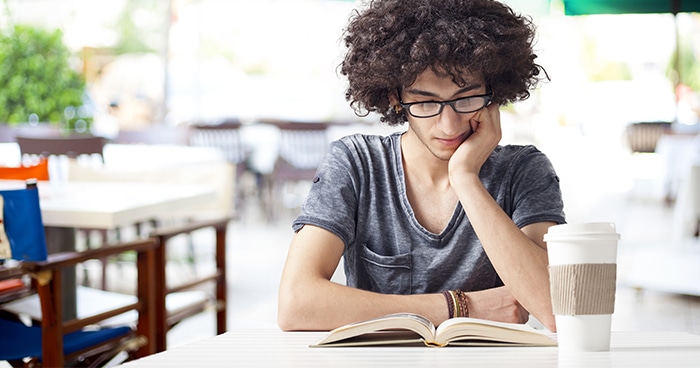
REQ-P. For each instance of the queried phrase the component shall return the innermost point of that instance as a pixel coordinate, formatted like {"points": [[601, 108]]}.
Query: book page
{"points": [[403, 321], [472, 331]]}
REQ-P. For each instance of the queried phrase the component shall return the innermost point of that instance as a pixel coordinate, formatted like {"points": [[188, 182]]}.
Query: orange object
{"points": [[39, 171], [12, 284]]}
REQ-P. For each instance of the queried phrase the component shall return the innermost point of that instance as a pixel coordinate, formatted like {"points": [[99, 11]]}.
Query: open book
{"points": [[411, 329]]}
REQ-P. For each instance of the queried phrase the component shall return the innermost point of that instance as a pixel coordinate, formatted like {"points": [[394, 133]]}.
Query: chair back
{"points": [[225, 136], [302, 146], [71, 146], [642, 137], [21, 227]]}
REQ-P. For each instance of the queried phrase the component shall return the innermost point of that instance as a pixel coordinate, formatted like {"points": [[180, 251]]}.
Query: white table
{"points": [[273, 348], [107, 205]]}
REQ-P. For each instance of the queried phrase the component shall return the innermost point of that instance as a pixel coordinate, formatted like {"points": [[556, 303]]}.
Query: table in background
{"points": [[103, 205], [273, 348], [108, 205]]}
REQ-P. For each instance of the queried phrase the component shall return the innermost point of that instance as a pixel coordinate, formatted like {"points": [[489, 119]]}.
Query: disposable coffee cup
{"points": [[583, 275]]}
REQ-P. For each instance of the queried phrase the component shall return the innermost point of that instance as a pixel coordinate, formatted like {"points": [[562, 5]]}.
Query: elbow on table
{"points": [[286, 320], [291, 311], [285, 325]]}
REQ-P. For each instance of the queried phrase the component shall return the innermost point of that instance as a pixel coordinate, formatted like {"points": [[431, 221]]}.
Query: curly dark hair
{"points": [[391, 42]]}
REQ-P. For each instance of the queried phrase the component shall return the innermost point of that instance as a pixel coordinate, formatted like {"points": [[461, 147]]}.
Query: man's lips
{"points": [[455, 141]]}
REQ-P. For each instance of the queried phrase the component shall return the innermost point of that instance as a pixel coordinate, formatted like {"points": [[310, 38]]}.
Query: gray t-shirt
{"points": [[359, 194]]}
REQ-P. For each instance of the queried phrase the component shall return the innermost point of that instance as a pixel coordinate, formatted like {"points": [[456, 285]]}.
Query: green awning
{"points": [[587, 7]]}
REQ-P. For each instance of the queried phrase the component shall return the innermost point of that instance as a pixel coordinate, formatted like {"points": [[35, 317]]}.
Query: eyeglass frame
{"points": [[407, 106]]}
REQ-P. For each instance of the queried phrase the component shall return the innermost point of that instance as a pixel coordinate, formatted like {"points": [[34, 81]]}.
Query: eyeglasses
{"points": [[463, 105]]}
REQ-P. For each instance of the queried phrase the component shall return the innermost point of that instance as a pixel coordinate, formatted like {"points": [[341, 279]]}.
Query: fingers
{"points": [[474, 122], [489, 116], [474, 151], [496, 304], [524, 314]]}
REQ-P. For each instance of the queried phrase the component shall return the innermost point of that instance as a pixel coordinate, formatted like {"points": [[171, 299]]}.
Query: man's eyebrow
{"points": [[415, 91]]}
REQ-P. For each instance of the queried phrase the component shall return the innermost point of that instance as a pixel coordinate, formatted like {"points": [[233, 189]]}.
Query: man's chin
{"points": [[443, 155]]}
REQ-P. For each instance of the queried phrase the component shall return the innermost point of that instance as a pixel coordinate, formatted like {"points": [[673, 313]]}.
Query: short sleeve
{"points": [[332, 200], [536, 193]]}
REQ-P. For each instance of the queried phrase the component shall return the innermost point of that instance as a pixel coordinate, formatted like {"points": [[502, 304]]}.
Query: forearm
{"points": [[519, 261], [325, 305], [308, 300]]}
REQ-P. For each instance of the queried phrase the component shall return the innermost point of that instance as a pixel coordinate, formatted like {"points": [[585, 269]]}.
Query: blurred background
{"points": [[619, 118], [178, 61]]}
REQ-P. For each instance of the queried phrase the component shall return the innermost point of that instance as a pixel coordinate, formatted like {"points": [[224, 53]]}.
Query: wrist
{"points": [[463, 179], [457, 305]]}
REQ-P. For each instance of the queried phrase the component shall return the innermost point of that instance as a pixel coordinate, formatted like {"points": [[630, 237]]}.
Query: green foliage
{"points": [[36, 78], [688, 67]]}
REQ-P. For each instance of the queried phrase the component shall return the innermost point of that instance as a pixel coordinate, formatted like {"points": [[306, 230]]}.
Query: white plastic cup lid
{"points": [[596, 229]]}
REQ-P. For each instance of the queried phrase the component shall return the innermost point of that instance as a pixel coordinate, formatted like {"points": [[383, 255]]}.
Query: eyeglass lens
{"points": [[462, 105]]}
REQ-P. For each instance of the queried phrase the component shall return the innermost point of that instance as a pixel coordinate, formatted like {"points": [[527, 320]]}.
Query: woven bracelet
{"points": [[461, 298], [450, 304]]}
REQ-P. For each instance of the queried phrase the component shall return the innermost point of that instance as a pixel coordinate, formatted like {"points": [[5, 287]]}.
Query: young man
{"points": [[439, 220]]}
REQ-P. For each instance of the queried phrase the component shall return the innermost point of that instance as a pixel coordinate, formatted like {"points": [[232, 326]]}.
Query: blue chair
{"points": [[52, 341]]}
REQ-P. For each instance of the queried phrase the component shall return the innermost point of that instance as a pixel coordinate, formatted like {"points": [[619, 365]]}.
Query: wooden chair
{"points": [[71, 146], [168, 314], [166, 318], [224, 135], [52, 341], [12, 286]]}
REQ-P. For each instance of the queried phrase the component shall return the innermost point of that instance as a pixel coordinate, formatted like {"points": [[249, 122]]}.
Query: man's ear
{"points": [[394, 101]]}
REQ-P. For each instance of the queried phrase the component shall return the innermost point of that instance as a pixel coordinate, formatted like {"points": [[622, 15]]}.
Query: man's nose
{"points": [[449, 121]]}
